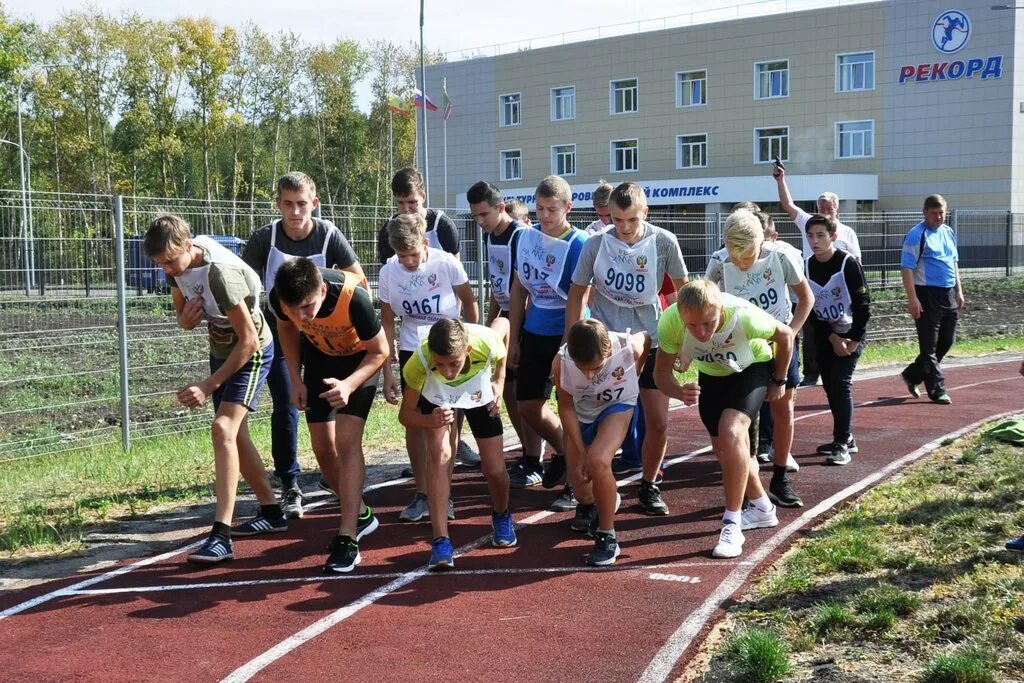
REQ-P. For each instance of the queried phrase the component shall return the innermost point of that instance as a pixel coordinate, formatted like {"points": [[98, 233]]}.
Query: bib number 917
{"points": [[625, 282]]}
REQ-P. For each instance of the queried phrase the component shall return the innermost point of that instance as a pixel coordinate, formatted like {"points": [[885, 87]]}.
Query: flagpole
{"points": [[445, 129], [391, 145], [423, 87]]}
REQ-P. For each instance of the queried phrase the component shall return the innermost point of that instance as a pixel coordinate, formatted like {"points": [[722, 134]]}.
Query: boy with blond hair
{"points": [[620, 270], [753, 269], [210, 283], [600, 197], [544, 258]]}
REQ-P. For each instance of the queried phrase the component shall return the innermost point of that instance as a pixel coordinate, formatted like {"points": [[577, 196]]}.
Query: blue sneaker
{"points": [[214, 549], [441, 555], [504, 535], [1016, 545]]}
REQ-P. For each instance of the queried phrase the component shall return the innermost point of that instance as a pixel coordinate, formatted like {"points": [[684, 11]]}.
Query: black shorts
{"points": [[316, 366], [742, 391], [481, 422], [403, 358], [536, 353], [647, 373]]}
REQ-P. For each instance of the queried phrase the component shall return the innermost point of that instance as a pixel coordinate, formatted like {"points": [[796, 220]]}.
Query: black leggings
{"points": [[837, 379]]}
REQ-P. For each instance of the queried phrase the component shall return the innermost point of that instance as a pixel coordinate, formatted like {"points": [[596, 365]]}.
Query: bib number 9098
{"points": [[625, 282]]}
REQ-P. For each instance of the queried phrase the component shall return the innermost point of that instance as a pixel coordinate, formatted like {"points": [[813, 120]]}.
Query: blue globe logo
{"points": [[951, 31]]}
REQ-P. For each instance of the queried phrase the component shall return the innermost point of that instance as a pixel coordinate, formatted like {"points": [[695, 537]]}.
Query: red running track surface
{"points": [[528, 613]]}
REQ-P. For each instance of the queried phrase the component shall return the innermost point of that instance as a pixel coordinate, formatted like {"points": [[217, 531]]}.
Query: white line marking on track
{"points": [[664, 661]]}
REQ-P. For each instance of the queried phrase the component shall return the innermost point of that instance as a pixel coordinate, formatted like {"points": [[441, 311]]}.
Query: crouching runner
{"points": [[459, 365], [596, 376]]}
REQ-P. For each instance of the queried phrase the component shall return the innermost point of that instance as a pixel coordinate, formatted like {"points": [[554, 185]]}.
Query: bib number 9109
{"points": [[423, 306], [625, 282]]}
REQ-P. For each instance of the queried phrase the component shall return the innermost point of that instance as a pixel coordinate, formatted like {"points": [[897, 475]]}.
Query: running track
{"points": [[527, 613]]}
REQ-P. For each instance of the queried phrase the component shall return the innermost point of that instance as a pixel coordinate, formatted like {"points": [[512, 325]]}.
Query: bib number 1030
{"points": [[625, 282], [423, 306]]}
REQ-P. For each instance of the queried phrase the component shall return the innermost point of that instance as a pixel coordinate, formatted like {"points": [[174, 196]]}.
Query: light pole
{"points": [[26, 187], [24, 211]]}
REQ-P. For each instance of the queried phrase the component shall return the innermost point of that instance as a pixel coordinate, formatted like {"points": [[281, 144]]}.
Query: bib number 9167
{"points": [[423, 306], [625, 282]]}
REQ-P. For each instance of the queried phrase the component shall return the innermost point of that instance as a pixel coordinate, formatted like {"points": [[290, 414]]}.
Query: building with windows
{"points": [[881, 102]]}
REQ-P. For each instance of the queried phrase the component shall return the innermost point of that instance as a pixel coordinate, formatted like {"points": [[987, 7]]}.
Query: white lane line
{"points": [[664, 661], [394, 575]]}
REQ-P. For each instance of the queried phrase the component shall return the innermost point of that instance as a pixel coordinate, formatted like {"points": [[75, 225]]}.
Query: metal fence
{"points": [[72, 376]]}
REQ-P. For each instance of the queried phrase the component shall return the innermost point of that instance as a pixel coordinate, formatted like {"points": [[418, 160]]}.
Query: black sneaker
{"points": [[765, 452], [606, 549], [840, 455], [291, 503], [621, 467], [366, 523], [214, 549], [827, 448], [782, 494], [650, 500], [585, 518], [911, 386], [344, 556], [260, 525], [523, 475], [554, 473]]}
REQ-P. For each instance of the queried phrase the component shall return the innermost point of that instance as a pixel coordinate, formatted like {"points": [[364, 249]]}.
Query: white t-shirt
{"points": [[846, 238], [424, 296]]}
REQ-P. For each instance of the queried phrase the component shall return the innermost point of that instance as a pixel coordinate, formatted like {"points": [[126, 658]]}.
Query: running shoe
{"points": [[291, 503], [466, 456], [260, 525], [941, 399], [621, 467], [344, 556], [325, 487], [407, 473], [366, 523], [752, 518], [441, 555], [523, 476], [503, 530], [596, 522], [765, 453], [911, 386], [416, 510], [1016, 545], [791, 464], [782, 494], [840, 455], [585, 518], [554, 473], [214, 549], [451, 509], [827, 448], [730, 541], [566, 500], [606, 549], [650, 500]]}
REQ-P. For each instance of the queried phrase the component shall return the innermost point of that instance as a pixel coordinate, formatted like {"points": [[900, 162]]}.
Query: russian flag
{"points": [[419, 101]]}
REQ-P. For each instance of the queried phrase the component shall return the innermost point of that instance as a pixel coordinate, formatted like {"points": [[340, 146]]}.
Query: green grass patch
{"points": [[887, 585], [885, 353], [758, 655]]}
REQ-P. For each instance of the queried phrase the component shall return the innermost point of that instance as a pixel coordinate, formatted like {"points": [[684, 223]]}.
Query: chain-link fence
{"points": [[69, 378]]}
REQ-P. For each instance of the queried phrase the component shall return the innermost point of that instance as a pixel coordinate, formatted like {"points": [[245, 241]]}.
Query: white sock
{"points": [[730, 516], [762, 504]]}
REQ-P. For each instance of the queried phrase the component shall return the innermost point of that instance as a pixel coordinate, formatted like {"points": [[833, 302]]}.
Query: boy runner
{"points": [[624, 267], [600, 198], [597, 379], [422, 285], [209, 282], [459, 365], [296, 233], [727, 338], [334, 344]]}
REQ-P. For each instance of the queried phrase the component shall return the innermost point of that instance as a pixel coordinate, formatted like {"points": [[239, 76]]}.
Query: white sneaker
{"points": [[752, 518], [730, 541], [791, 464]]}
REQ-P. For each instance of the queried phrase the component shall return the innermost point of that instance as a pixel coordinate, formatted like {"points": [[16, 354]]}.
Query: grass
{"points": [[758, 656], [911, 567]]}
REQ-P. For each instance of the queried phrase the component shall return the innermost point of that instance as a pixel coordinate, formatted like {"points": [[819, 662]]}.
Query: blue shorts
{"points": [[793, 374], [245, 385], [590, 429]]}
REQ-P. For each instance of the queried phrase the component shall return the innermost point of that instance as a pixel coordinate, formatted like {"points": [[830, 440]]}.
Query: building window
{"points": [[511, 164], [563, 103], [625, 156], [563, 159], [855, 139], [771, 79], [770, 143], [691, 88], [692, 151], [624, 96], [509, 111], [855, 71]]}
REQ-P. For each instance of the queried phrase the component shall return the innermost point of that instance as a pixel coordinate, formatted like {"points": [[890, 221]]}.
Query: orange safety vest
{"points": [[335, 335]]}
